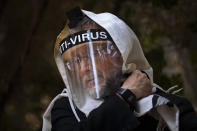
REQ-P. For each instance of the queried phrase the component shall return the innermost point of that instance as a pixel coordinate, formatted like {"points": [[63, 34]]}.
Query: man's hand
{"points": [[139, 84]]}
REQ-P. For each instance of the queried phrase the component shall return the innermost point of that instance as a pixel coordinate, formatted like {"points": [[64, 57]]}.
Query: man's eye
{"points": [[78, 60]]}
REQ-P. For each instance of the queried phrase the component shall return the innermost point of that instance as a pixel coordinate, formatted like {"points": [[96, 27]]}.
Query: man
{"points": [[109, 81]]}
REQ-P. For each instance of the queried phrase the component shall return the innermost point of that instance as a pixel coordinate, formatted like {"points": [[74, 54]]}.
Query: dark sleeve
{"points": [[62, 116], [188, 117], [112, 115]]}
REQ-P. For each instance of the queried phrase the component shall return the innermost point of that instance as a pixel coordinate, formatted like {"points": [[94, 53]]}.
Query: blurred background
{"points": [[29, 79]]}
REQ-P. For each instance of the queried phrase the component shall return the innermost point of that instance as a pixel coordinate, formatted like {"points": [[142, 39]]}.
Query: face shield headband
{"points": [[83, 37], [90, 58]]}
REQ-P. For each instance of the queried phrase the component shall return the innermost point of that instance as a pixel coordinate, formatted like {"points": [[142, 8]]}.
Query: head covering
{"points": [[124, 39]]}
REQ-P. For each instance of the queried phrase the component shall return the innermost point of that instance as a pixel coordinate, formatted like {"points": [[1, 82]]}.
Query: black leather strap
{"points": [[128, 96]]}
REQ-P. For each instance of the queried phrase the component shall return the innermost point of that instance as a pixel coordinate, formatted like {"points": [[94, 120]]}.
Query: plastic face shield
{"points": [[90, 59]]}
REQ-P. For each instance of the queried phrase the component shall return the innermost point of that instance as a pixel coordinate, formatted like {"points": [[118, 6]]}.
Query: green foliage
{"points": [[151, 40]]}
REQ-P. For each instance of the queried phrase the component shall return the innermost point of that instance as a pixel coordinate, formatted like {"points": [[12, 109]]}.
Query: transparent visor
{"points": [[90, 62]]}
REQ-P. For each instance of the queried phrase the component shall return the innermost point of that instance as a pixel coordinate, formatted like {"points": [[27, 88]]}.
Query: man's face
{"points": [[95, 63]]}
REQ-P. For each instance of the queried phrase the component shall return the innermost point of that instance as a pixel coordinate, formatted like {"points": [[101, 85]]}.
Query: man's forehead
{"points": [[83, 49], [87, 47]]}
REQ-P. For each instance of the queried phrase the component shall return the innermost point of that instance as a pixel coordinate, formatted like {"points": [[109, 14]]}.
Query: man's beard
{"points": [[108, 86], [95, 94], [89, 84]]}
